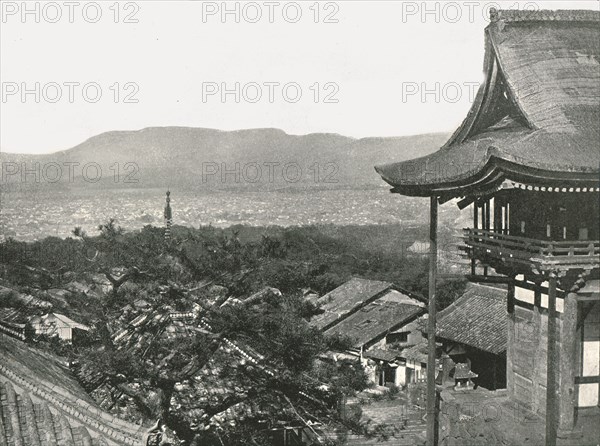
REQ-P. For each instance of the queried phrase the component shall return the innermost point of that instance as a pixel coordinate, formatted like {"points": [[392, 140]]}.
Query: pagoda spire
{"points": [[168, 217]]}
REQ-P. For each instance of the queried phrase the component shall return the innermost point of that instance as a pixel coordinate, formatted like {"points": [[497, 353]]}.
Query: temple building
{"points": [[526, 160]]}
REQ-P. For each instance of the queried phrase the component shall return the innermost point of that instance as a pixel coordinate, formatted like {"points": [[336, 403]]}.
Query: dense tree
{"points": [[138, 360]]}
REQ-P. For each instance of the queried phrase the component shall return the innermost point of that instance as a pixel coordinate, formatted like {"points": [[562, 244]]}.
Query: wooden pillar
{"points": [[510, 344], [498, 223], [487, 215], [568, 367], [475, 224], [552, 365], [431, 326], [486, 225]]}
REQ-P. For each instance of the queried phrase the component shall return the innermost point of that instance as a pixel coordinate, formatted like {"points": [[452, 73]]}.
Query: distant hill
{"points": [[215, 159]]}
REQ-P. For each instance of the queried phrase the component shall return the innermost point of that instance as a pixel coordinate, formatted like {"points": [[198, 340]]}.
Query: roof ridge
{"points": [[544, 15], [65, 402], [483, 285]]}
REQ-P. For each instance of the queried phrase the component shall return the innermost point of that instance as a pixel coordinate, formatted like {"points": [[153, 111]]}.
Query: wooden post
{"points": [[475, 227], [568, 370], [510, 344], [498, 223], [486, 225], [431, 326], [552, 365]]}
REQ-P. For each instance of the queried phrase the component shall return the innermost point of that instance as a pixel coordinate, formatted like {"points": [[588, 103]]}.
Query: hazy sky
{"points": [[68, 71]]}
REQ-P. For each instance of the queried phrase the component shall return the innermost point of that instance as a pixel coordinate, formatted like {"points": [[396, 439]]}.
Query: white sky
{"points": [[376, 55]]}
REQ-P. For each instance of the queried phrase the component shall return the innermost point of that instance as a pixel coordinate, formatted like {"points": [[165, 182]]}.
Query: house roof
{"points": [[347, 298], [60, 319], [416, 352], [375, 320], [32, 425], [382, 355], [535, 119], [167, 324], [44, 404], [478, 319], [14, 316]]}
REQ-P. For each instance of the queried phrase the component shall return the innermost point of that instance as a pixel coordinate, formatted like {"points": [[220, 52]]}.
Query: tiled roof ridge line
{"points": [[254, 357], [544, 15], [485, 285], [95, 419], [356, 309]]}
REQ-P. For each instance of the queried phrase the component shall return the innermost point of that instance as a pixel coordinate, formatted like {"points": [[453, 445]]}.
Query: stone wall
{"points": [[475, 418]]}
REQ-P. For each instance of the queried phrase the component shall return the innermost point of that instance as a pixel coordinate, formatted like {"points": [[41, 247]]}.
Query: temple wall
{"points": [[527, 356]]}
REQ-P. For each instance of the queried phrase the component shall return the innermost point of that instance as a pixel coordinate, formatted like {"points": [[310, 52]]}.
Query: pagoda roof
{"points": [[535, 119]]}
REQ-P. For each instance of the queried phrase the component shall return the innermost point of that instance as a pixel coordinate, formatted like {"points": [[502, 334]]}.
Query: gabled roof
{"points": [[42, 404], [535, 119], [382, 355], [416, 352], [478, 319], [375, 320], [346, 299], [61, 320]]}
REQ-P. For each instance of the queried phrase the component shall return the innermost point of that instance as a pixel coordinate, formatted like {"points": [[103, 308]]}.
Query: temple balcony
{"points": [[521, 254]]}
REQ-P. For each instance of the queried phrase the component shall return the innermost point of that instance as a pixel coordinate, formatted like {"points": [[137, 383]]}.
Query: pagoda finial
{"points": [[168, 217], [494, 15]]}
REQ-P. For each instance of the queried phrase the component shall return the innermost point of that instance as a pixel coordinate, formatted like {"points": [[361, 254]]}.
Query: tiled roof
{"points": [[383, 355], [24, 300], [170, 325], [13, 322], [346, 298], [13, 315], [416, 352], [42, 404], [222, 379], [539, 108], [24, 423], [375, 320], [478, 319], [543, 15], [58, 320]]}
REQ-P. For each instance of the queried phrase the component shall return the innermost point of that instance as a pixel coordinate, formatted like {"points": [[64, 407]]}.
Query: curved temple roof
{"points": [[535, 119]]}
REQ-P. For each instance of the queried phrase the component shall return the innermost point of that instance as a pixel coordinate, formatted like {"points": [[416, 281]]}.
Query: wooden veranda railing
{"points": [[523, 248]]}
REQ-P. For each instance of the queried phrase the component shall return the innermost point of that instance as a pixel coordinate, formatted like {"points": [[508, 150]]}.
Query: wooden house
{"points": [[55, 324], [379, 320], [526, 160], [477, 338]]}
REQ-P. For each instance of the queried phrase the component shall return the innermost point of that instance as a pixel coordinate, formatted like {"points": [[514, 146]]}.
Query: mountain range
{"points": [[209, 158]]}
